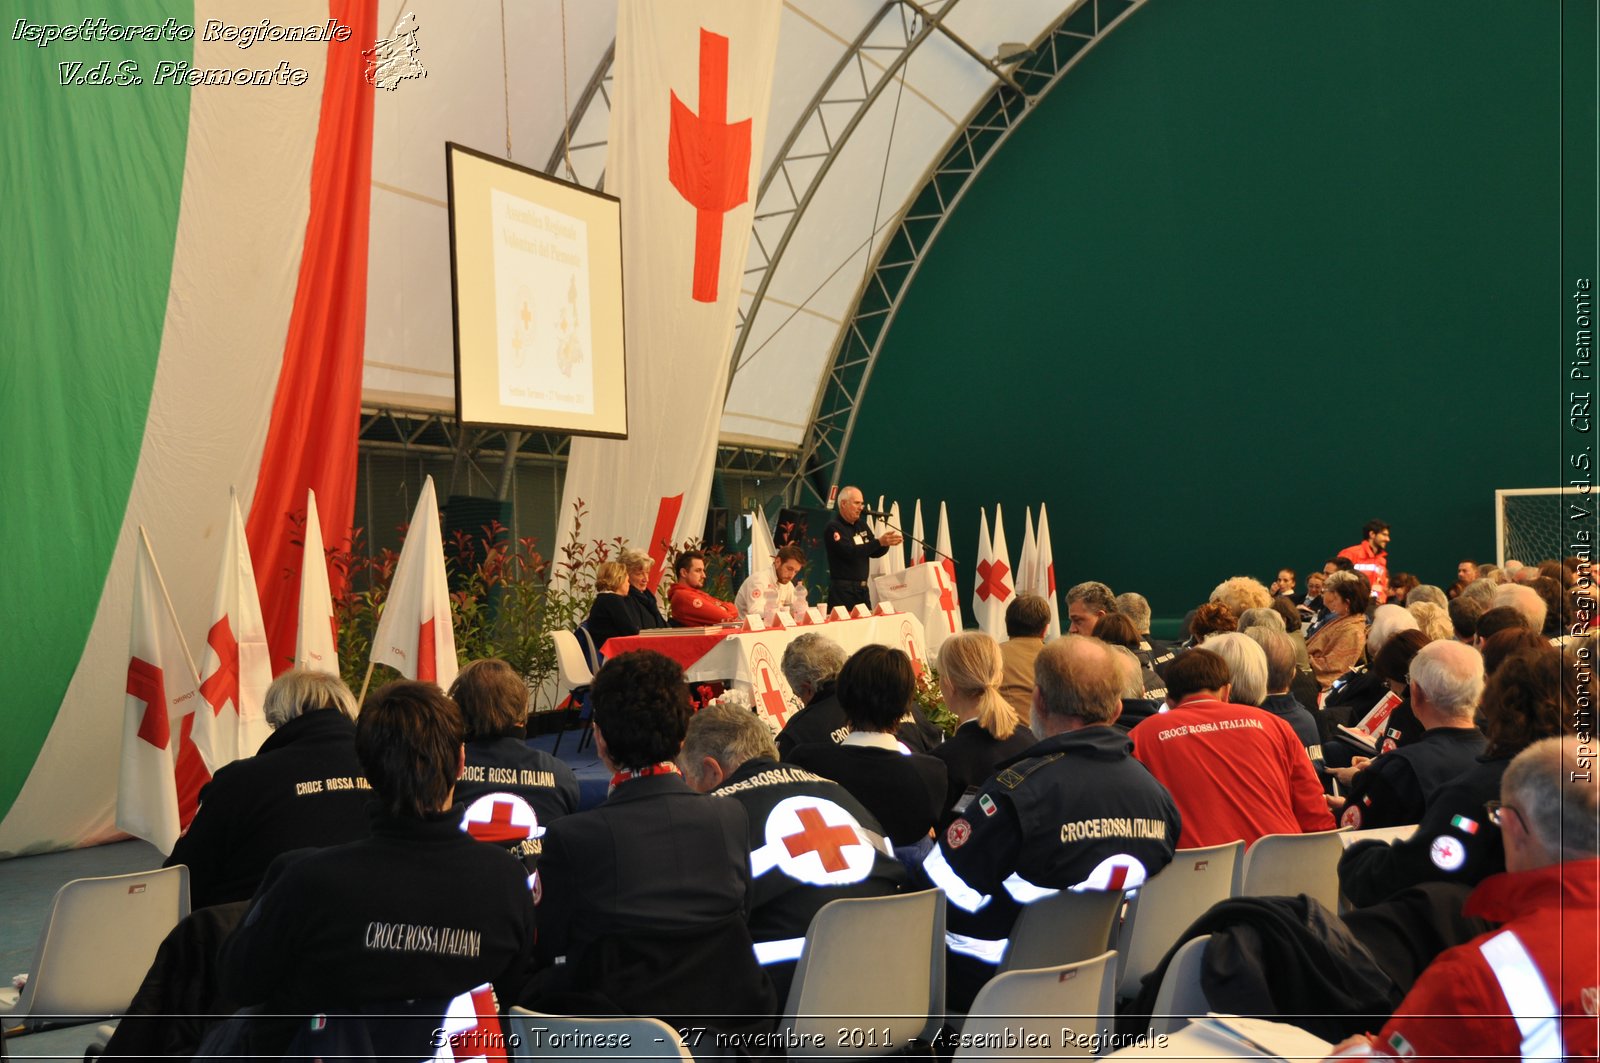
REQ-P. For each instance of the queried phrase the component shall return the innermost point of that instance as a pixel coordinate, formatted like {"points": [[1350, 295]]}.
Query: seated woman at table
{"points": [[904, 790], [612, 613], [643, 600], [990, 733]]}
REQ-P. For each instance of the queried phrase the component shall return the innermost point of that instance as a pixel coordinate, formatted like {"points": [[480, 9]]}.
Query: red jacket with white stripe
{"points": [[1497, 995]]}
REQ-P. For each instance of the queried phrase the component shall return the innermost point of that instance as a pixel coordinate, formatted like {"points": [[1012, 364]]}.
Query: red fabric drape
{"points": [[316, 413]]}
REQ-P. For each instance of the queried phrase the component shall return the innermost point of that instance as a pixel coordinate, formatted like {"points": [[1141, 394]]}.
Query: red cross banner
{"points": [[162, 688], [993, 586], [414, 635], [237, 667], [692, 86], [946, 556]]}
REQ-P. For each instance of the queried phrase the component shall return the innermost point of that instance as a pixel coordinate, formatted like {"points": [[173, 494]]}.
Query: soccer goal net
{"points": [[1530, 523]]}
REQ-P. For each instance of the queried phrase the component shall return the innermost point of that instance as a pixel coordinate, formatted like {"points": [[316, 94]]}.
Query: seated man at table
{"points": [[690, 605], [764, 593]]}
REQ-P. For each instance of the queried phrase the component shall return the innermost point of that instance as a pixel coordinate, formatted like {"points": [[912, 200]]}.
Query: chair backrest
{"points": [[1287, 864], [1165, 906], [572, 671], [874, 964], [1180, 997], [536, 1035], [591, 655], [100, 941], [1064, 928], [1075, 996]]}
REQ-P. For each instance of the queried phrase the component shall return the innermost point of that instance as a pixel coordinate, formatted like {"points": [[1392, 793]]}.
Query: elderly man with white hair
{"points": [[1446, 685], [851, 546], [1527, 989], [1525, 600]]}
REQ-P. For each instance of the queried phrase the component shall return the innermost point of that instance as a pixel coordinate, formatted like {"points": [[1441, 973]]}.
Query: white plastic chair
{"points": [[573, 676], [96, 947], [1180, 997], [559, 1038], [1283, 865], [873, 964], [1165, 906], [1065, 928], [1075, 995]]}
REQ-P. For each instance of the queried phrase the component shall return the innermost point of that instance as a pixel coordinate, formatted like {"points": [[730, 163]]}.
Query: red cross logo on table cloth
{"points": [[708, 161], [992, 581], [146, 682], [816, 836], [222, 686], [771, 697]]}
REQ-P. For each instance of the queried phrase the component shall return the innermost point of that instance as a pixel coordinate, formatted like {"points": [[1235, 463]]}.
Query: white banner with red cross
{"points": [[689, 102], [751, 661], [927, 592]]}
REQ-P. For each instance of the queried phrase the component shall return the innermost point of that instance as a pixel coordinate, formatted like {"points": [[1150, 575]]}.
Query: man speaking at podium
{"points": [[851, 547]]}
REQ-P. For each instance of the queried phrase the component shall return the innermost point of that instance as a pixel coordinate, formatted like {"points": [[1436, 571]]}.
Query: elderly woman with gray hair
{"points": [[303, 788], [645, 605], [1336, 645]]}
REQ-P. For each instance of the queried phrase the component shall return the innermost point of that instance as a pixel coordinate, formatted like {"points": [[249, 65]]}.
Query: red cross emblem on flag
{"points": [[146, 682], [708, 161], [501, 819], [222, 686], [992, 581]]}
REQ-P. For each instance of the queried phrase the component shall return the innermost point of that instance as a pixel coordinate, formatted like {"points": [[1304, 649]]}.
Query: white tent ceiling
{"points": [[495, 83]]}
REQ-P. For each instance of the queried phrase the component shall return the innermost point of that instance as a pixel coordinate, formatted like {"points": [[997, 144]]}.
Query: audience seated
{"points": [[1153, 653], [1114, 629], [989, 732], [1086, 603], [811, 665], [1240, 593], [613, 613], [642, 901], [303, 788], [1433, 620], [904, 790], [1236, 772], [419, 910], [1496, 619], [810, 842], [509, 792], [1074, 812], [1335, 645], [1278, 649], [1027, 620], [1130, 689], [1525, 990], [1446, 686], [1522, 703]]}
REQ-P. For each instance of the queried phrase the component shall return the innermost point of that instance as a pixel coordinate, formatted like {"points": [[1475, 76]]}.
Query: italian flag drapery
{"points": [[185, 309]]}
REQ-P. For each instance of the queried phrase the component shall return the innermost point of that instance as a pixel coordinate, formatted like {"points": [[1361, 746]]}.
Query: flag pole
{"points": [[161, 582], [363, 695]]}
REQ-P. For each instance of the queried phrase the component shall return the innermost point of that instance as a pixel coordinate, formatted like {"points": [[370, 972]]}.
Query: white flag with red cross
{"points": [[1027, 565], [1044, 576], [689, 103], [896, 557], [914, 548], [1001, 579], [414, 634], [237, 666], [989, 590], [947, 557], [316, 640], [162, 688]]}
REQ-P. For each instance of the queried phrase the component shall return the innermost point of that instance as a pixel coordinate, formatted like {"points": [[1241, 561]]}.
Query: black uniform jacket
{"points": [[1394, 789], [510, 793], [304, 787]]}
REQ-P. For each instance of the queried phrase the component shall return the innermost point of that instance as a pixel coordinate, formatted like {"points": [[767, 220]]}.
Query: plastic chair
{"points": [[870, 964], [563, 1037], [1074, 991], [1180, 997], [573, 676], [1165, 906], [96, 947], [1065, 928], [1282, 865]]}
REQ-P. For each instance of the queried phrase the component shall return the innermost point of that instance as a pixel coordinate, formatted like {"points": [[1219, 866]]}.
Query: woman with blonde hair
{"points": [[989, 732], [611, 614]]}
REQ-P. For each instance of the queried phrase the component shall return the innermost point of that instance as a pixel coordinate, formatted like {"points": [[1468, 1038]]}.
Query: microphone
{"points": [[875, 512]]}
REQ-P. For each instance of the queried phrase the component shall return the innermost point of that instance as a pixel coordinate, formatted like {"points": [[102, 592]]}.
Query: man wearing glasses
{"points": [[1530, 989]]}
